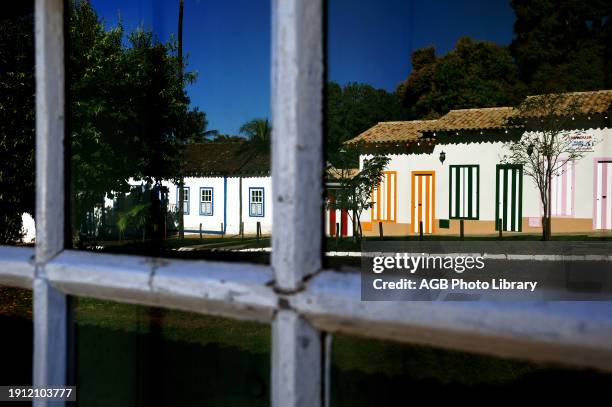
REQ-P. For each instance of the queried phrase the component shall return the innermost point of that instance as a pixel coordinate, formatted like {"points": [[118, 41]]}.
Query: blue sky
{"points": [[228, 43]]}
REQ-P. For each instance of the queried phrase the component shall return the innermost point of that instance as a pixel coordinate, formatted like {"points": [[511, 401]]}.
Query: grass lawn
{"points": [[174, 325], [204, 246], [348, 244]]}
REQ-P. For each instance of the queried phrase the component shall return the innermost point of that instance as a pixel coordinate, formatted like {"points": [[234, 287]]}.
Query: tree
{"points": [[474, 74], [562, 46], [351, 110], [181, 181], [355, 192], [127, 94], [224, 138], [258, 133], [16, 121], [546, 144]]}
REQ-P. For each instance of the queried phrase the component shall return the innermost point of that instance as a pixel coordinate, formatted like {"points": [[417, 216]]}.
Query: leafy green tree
{"points": [[223, 138], [563, 45], [474, 74], [546, 146], [16, 121], [352, 109], [130, 115], [355, 192], [258, 133]]}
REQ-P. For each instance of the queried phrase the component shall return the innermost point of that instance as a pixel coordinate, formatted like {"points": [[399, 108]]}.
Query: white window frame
{"points": [[186, 199], [211, 201], [257, 198], [304, 304]]}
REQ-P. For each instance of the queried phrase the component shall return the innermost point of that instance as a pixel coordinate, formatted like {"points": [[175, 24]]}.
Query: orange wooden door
{"points": [[385, 198], [423, 201]]}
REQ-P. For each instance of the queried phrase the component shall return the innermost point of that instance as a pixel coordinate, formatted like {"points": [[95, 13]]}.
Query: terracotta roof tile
{"points": [[590, 102], [474, 119], [487, 118], [388, 132], [226, 158], [333, 173]]}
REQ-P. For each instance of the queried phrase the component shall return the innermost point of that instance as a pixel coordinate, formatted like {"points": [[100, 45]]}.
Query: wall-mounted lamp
{"points": [[442, 157]]}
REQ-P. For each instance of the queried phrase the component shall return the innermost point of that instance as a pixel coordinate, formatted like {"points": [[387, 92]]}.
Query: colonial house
{"points": [[227, 185], [454, 170]]}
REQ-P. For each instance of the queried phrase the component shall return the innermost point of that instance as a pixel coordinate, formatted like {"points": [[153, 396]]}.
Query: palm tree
{"points": [[258, 133]]}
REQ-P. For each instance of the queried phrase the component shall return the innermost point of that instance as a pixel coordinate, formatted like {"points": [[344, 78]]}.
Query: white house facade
{"points": [[452, 169], [227, 190], [218, 205]]}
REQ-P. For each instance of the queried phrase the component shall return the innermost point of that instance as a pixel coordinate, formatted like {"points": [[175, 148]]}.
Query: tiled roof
{"points": [[333, 173], [590, 102], [226, 158], [487, 118], [388, 132]]}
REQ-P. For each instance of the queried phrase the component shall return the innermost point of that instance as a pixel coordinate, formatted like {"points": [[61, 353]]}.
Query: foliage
{"points": [[136, 216], [355, 192], [224, 138], [546, 145], [16, 124], [563, 45], [258, 133], [474, 74], [127, 94], [352, 109]]}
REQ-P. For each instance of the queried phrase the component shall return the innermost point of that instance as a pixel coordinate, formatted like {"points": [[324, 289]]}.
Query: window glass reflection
{"points": [[474, 120], [17, 124], [367, 372], [169, 128], [134, 355], [16, 336]]}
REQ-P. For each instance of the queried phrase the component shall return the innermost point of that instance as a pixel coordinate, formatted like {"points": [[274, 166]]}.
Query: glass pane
{"points": [[17, 124], [134, 355], [484, 119], [16, 336], [168, 97], [366, 372], [471, 127]]}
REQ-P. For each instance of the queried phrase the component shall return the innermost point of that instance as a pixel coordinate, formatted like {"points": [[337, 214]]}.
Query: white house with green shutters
{"points": [[455, 168]]}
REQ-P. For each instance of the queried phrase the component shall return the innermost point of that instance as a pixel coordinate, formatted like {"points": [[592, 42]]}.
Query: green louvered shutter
{"points": [[509, 197], [464, 191]]}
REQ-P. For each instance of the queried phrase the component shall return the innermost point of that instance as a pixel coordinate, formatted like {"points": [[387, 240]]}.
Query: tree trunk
{"points": [[181, 210], [549, 213], [355, 227]]}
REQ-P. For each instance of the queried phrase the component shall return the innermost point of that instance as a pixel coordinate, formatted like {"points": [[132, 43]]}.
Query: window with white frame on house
{"points": [[185, 199], [206, 201], [256, 202]]}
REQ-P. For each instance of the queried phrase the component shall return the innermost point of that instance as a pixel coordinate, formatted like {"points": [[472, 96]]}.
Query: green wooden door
{"points": [[509, 197]]}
